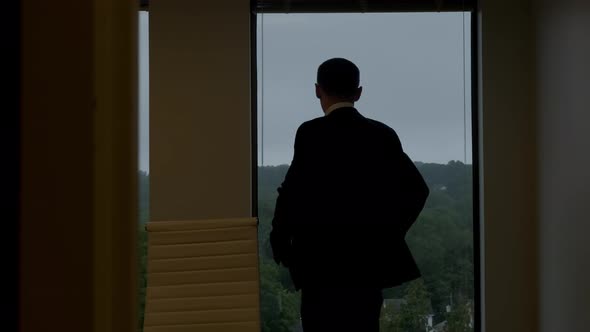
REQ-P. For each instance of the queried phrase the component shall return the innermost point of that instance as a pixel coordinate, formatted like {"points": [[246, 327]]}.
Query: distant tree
{"points": [[459, 318], [414, 313], [279, 307], [390, 320]]}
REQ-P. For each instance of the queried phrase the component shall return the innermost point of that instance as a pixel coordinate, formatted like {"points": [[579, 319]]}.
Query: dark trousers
{"points": [[340, 309]]}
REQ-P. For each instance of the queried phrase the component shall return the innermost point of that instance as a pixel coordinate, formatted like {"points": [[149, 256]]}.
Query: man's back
{"points": [[344, 202]]}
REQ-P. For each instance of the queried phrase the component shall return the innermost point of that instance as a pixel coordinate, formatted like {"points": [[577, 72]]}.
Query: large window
{"points": [[416, 76]]}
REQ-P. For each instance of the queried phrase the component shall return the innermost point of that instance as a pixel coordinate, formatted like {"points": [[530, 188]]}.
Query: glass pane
{"points": [[144, 165], [415, 73]]}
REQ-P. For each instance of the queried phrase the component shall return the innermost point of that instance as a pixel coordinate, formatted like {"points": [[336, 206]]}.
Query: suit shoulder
{"points": [[315, 122], [386, 133], [312, 124], [382, 127]]}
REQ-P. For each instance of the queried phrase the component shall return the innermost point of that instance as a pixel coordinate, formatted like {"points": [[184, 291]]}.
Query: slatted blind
{"points": [[202, 276]]}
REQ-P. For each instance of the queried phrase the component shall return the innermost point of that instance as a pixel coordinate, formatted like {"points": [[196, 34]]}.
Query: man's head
{"points": [[338, 81]]}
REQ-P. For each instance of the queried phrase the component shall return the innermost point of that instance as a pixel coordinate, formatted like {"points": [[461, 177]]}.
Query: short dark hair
{"points": [[339, 77]]}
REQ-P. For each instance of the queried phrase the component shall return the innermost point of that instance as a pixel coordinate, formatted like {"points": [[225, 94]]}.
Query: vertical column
{"points": [[200, 139], [509, 165], [563, 77], [115, 165], [56, 193]]}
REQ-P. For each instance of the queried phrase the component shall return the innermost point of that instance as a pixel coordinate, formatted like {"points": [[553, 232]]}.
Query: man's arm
{"points": [[410, 189], [282, 232], [414, 192]]}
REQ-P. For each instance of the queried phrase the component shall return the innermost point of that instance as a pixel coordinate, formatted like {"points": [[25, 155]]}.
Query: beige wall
{"points": [[536, 75], [57, 171], [509, 166], [563, 99], [78, 179], [200, 156], [115, 166]]}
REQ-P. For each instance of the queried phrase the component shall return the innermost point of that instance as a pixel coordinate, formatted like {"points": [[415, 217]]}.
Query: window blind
{"points": [[202, 276]]}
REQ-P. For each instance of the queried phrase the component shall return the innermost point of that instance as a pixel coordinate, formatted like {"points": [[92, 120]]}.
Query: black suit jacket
{"points": [[346, 204]]}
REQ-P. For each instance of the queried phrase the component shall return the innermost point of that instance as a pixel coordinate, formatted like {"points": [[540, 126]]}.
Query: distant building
{"points": [[440, 327]]}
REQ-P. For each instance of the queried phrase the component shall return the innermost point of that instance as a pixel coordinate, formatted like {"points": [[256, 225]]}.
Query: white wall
{"points": [[563, 103]]}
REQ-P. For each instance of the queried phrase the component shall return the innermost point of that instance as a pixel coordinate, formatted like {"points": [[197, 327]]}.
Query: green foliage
{"points": [[390, 320], [459, 318], [143, 181], [413, 313], [279, 306]]}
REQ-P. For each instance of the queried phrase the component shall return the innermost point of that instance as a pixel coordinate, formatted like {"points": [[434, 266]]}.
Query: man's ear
{"points": [[318, 91], [359, 92]]}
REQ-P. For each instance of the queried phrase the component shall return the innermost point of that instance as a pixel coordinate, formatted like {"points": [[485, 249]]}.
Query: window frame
{"points": [[471, 8]]}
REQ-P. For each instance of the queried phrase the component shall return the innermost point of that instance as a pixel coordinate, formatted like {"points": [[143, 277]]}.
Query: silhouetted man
{"points": [[343, 210]]}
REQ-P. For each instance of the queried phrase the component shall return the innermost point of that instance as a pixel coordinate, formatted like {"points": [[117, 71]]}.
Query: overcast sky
{"points": [[412, 68], [144, 106]]}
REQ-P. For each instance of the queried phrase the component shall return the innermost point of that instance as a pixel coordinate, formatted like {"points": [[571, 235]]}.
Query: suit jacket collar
{"points": [[339, 105], [344, 112]]}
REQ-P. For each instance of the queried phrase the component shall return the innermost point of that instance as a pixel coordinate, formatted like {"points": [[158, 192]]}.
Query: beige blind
{"points": [[202, 276]]}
